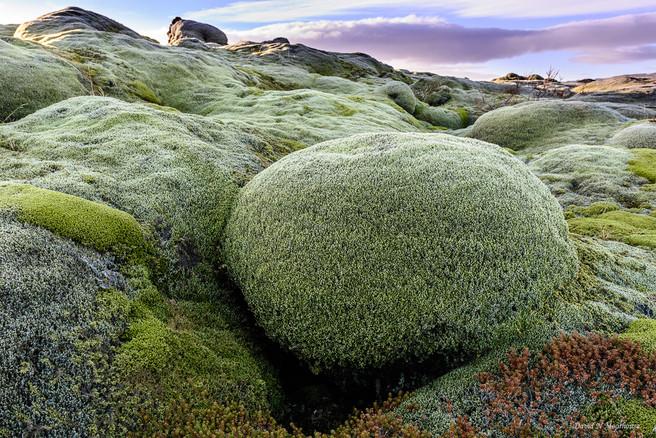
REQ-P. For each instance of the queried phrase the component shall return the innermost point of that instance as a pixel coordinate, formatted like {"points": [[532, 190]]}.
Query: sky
{"points": [[479, 39]]}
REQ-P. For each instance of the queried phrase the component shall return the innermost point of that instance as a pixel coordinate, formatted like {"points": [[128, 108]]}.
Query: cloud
{"points": [[435, 41], [623, 55], [268, 11]]}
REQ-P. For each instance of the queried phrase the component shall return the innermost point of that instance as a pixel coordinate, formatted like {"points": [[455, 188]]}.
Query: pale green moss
{"points": [[361, 252], [637, 135], [584, 174], [33, 78], [540, 126], [86, 222]]}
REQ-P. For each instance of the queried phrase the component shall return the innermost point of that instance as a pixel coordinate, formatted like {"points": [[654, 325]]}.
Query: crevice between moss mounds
{"points": [[386, 248]]}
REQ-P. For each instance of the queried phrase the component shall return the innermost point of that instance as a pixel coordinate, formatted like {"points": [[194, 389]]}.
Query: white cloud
{"points": [[268, 11], [158, 33]]}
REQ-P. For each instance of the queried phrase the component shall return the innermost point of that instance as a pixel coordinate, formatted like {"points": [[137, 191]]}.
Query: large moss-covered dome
{"points": [[381, 248]]}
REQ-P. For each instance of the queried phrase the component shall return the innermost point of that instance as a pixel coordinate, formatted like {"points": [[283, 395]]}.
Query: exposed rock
{"points": [[181, 29], [70, 20], [637, 88], [279, 40], [347, 65]]}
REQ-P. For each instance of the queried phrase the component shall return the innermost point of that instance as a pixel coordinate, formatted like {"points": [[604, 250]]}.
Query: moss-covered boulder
{"points": [[33, 78], [401, 94], [636, 135], [547, 124], [441, 116], [375, 249]]}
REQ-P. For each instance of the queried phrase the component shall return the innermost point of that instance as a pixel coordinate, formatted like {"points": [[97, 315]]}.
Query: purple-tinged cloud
{"points": [[623, 55], [436, 41]]}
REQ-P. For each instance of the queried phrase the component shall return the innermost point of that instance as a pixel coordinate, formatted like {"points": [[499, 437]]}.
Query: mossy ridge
{"points": [[367, 339], [174, 168], [539, 126], [192, 80], [88, 223]]}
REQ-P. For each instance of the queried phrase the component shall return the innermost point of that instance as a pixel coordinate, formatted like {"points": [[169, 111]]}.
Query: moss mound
{"points": [[176, 170], [584, 174], [548, 124], [86, 222], [33, 78], [636, 135], [369, 250], [401, 94]]}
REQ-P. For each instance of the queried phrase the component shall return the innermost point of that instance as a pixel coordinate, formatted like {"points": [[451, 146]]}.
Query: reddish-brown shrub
{"points": [[551, 394]]}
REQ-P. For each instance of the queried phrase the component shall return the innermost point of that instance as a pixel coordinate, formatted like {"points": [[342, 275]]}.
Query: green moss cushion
{"points": [[86, 222], [542, 125], [636, 135], [379, 248]]}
